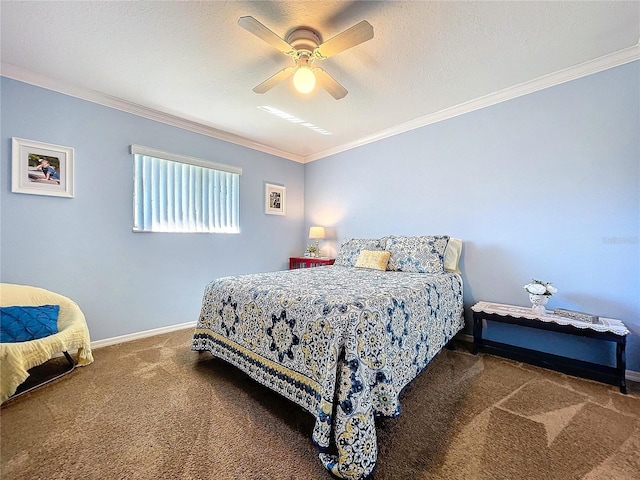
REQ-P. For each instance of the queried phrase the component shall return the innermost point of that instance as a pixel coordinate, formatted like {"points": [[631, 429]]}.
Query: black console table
{"points": [[607, 329]]}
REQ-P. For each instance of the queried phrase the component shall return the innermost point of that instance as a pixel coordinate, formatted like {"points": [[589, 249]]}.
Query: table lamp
{"points": [[317, 233]]}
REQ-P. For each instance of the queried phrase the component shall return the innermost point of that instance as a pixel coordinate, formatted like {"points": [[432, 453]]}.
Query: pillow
{"points": [[21, 324], [424, 254], [452, 255], [373, 259], [351, 247]]}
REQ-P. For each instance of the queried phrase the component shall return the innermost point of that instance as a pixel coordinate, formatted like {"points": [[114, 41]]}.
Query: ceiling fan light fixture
{"points": [[304, 79], [305, 46]]}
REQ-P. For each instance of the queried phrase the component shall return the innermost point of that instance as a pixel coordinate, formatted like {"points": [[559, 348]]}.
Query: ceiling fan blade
{"points": [[327, 82], [272, 81], [360, 32], [259, 30]]}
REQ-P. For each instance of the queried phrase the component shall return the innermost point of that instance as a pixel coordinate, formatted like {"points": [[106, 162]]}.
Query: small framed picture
{"points": [[41, 168], [275, 199]]}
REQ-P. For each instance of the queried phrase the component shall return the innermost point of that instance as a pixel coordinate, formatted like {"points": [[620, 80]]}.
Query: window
{"points": [[174, 193]]}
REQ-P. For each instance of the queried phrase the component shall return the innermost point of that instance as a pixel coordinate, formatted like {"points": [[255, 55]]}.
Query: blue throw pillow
{"points": [[21, 324]]}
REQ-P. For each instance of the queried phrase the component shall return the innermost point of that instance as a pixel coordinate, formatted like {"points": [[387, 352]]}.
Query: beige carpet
{"points": [[152, 409]]}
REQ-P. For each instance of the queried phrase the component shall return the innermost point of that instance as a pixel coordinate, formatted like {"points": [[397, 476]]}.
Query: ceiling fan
{"points": [[304, 47]]}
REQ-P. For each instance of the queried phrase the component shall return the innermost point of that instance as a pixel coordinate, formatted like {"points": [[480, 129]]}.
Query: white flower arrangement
{"points": [[536, 287]]}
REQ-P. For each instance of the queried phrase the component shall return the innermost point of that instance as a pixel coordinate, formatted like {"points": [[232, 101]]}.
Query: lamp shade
{"points": [[316, 232]]}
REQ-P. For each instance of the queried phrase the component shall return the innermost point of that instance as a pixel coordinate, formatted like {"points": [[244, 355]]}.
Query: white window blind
{"points": [[174, 193]]}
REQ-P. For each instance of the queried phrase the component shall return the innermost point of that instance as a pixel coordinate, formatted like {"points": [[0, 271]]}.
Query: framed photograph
{"points": [[41, 168], [275, 199]]}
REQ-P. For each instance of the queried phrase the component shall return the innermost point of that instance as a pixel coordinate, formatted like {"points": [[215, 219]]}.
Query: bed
{"points": [[341, 341]]}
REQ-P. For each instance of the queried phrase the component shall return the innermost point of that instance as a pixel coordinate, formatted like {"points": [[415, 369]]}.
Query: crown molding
{"points": [[590, 67], [49, 83]]}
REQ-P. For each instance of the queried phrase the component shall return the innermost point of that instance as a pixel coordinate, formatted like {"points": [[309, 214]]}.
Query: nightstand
{"points": [[307, 262], [607, 329]]}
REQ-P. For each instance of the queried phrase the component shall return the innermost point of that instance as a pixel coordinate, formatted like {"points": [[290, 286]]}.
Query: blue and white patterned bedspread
{"points": [[341, 342]]}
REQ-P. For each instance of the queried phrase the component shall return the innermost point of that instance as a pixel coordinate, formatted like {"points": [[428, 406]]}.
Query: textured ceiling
{"points": [[192, 61]]}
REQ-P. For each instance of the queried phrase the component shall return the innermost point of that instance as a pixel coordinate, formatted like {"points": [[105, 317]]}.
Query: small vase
{"points": [[538, 301]]}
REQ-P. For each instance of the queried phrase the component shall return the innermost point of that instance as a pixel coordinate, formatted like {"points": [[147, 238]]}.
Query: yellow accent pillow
{"points": [[375, 260], [452, 255]]}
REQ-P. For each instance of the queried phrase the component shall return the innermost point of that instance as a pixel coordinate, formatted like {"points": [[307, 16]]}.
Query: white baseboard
{"points": [[632, 375], [138, 335], [629, 374]]}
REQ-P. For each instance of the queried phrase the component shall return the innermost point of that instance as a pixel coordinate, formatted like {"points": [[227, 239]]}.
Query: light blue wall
{"points": [[85, 248], [544, 186]]}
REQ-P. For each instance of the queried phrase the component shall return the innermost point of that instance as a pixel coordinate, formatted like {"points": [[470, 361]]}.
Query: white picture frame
{"points": [[39, 168], [275, 199]]}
